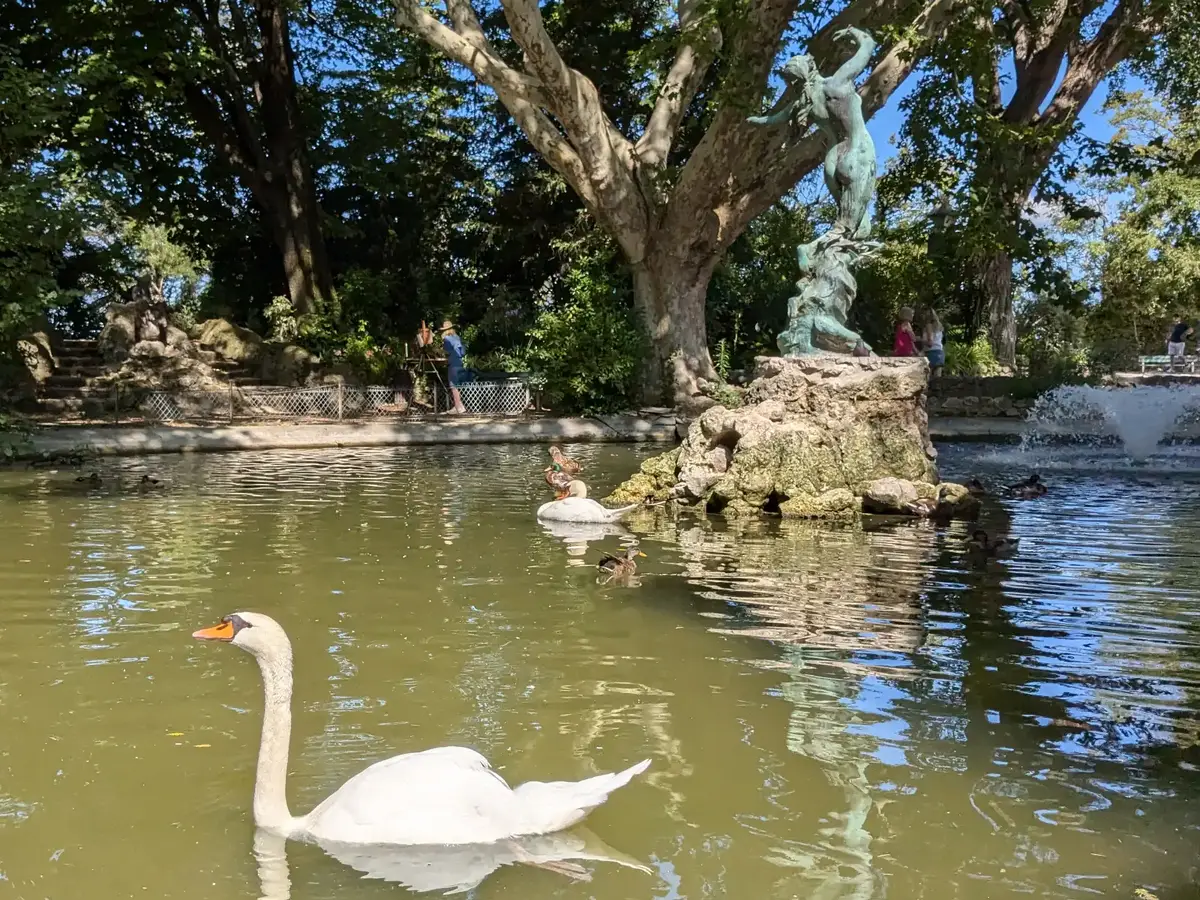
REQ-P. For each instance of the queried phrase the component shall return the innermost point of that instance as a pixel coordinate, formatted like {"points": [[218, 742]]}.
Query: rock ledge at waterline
{"points": [[815, 436]]}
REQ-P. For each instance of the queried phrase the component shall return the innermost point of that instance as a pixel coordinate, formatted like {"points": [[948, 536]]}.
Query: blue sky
{"points": [[888, 121]]}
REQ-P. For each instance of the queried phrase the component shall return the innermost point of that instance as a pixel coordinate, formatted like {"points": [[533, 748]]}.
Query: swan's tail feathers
{"points": [[550, 806], [615, 514]]}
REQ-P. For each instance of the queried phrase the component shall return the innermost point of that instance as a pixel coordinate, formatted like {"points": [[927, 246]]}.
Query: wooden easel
{"points": [[426, 361]]}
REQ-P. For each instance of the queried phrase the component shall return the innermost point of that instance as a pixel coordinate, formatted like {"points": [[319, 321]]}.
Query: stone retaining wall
{"points": [[984, 397]]}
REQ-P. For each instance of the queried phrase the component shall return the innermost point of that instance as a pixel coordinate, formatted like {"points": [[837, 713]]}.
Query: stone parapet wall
{"points": [[966, 397]]}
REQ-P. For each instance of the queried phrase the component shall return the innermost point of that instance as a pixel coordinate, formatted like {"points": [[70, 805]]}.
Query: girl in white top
{"points": [[931, 340]]}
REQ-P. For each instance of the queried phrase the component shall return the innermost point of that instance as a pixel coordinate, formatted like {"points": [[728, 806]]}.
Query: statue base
{"points": [[815, 436]]}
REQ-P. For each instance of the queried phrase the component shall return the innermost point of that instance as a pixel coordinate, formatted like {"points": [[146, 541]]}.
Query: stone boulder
{"points": [[653, 481], [196, 390], [813, 434], [127, 324], [231, 341], [119, 333], [286, 364], [889, 497]]}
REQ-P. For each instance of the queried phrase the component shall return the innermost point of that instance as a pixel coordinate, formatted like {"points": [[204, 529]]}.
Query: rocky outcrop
{"points": [[230, 341], [128, 324], [814, 436], [197, 390], [274, 362]]}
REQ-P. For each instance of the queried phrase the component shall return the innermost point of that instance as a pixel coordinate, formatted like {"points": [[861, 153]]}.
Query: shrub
{"points": [[973, 359]]}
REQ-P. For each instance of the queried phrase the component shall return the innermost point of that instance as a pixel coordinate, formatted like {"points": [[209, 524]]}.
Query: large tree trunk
{"points": [[298, 222], [992, 278], [669, 294]]}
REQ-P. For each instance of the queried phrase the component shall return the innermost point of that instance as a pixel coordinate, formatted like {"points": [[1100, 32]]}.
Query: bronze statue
{"points": [[817, 315]]}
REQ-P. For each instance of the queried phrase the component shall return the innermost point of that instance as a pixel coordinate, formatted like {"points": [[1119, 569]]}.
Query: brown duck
{"points": [[616, 566], [561, 463], [558, 480]]}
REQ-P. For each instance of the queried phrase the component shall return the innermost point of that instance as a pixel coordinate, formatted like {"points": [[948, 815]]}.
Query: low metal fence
{"points": [[335, 402]]}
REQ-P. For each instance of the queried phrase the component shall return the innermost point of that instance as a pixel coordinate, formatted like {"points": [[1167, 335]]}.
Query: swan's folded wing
{"points": [[448, 795]]}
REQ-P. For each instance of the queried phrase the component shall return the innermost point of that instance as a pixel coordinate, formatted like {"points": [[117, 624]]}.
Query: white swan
{"points": [[576, 507], [448, 795]]}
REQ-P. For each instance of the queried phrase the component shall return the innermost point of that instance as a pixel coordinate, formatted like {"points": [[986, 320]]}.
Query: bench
{"points": [[1167, 362]]}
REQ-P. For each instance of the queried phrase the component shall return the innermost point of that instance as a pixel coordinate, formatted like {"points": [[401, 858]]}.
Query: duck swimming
{"points": [[576, 507], [620, 566], [92, 479], [443, 796], [981, 543], [149, 483], [976, 488], [1028, 489]]}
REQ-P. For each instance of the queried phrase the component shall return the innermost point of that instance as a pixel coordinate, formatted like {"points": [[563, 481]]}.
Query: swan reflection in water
{"points": [[577, 535], [445, 869]]}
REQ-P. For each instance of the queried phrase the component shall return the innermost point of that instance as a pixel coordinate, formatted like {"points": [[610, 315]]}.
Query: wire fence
{"points": [[335, 402]]}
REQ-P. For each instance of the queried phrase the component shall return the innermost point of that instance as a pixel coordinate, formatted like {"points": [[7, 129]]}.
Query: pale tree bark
{"points": [[672, 229], [251, 114], [1020, 138]]}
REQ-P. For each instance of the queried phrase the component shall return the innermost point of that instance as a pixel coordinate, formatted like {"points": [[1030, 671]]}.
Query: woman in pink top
{"points": [[906, 341]]}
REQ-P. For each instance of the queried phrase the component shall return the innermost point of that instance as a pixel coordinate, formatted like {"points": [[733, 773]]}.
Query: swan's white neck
{"points": [[270, 783]]}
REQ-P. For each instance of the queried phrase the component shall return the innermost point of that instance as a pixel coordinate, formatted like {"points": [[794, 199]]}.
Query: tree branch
{"points": [[520, 93], [698, 48]]}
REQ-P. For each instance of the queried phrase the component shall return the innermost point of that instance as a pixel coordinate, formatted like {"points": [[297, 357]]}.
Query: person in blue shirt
{"points": [[455, 351]]}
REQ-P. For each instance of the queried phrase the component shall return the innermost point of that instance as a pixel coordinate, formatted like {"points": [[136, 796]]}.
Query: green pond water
{"points": [[831, 712]]}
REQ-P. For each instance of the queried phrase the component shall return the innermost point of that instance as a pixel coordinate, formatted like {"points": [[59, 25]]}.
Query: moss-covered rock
{"points": [[955, 501], [812, 432], [653, 481], [230, 341], [839, 503]]}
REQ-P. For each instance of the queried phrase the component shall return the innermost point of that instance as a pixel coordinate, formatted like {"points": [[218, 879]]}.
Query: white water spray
{"points": [[1141, 418]]}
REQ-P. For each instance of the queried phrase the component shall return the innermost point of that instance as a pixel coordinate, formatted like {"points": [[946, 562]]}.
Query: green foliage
{"points": [[974, 358], [586, 346], [1053, 342], [372, 360], [1147, 258]]}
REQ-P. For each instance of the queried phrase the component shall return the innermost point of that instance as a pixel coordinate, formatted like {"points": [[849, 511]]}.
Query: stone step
{"points": [[76, 344], [79, 391], [85, 371], [66, 379], [79, 406]]}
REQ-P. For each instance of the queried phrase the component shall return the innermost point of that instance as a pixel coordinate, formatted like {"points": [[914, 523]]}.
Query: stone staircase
{"points": [[71, 389]]}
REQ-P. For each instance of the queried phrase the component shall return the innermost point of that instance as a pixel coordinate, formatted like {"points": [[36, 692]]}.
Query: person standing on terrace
{"points": [[455, 351]]}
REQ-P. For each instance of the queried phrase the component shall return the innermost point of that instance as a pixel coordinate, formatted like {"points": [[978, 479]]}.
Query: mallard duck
{"points": [[558, 480], [576, 507], [976, 487], [1029, 488], [981, 543], [620, 565], [923, 508], [149, 483], [92, 479], [561, 463]]}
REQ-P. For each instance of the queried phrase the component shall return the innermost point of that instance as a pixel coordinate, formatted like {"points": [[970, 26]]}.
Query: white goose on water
{"points": [[448, 795], [576, 507]]}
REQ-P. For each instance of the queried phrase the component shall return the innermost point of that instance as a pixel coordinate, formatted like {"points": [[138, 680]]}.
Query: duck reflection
{"points": [[445, 869]]}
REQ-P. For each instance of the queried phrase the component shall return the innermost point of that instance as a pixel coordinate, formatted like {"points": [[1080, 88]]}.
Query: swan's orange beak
{"points": [[560, 495], [222, 631]]}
